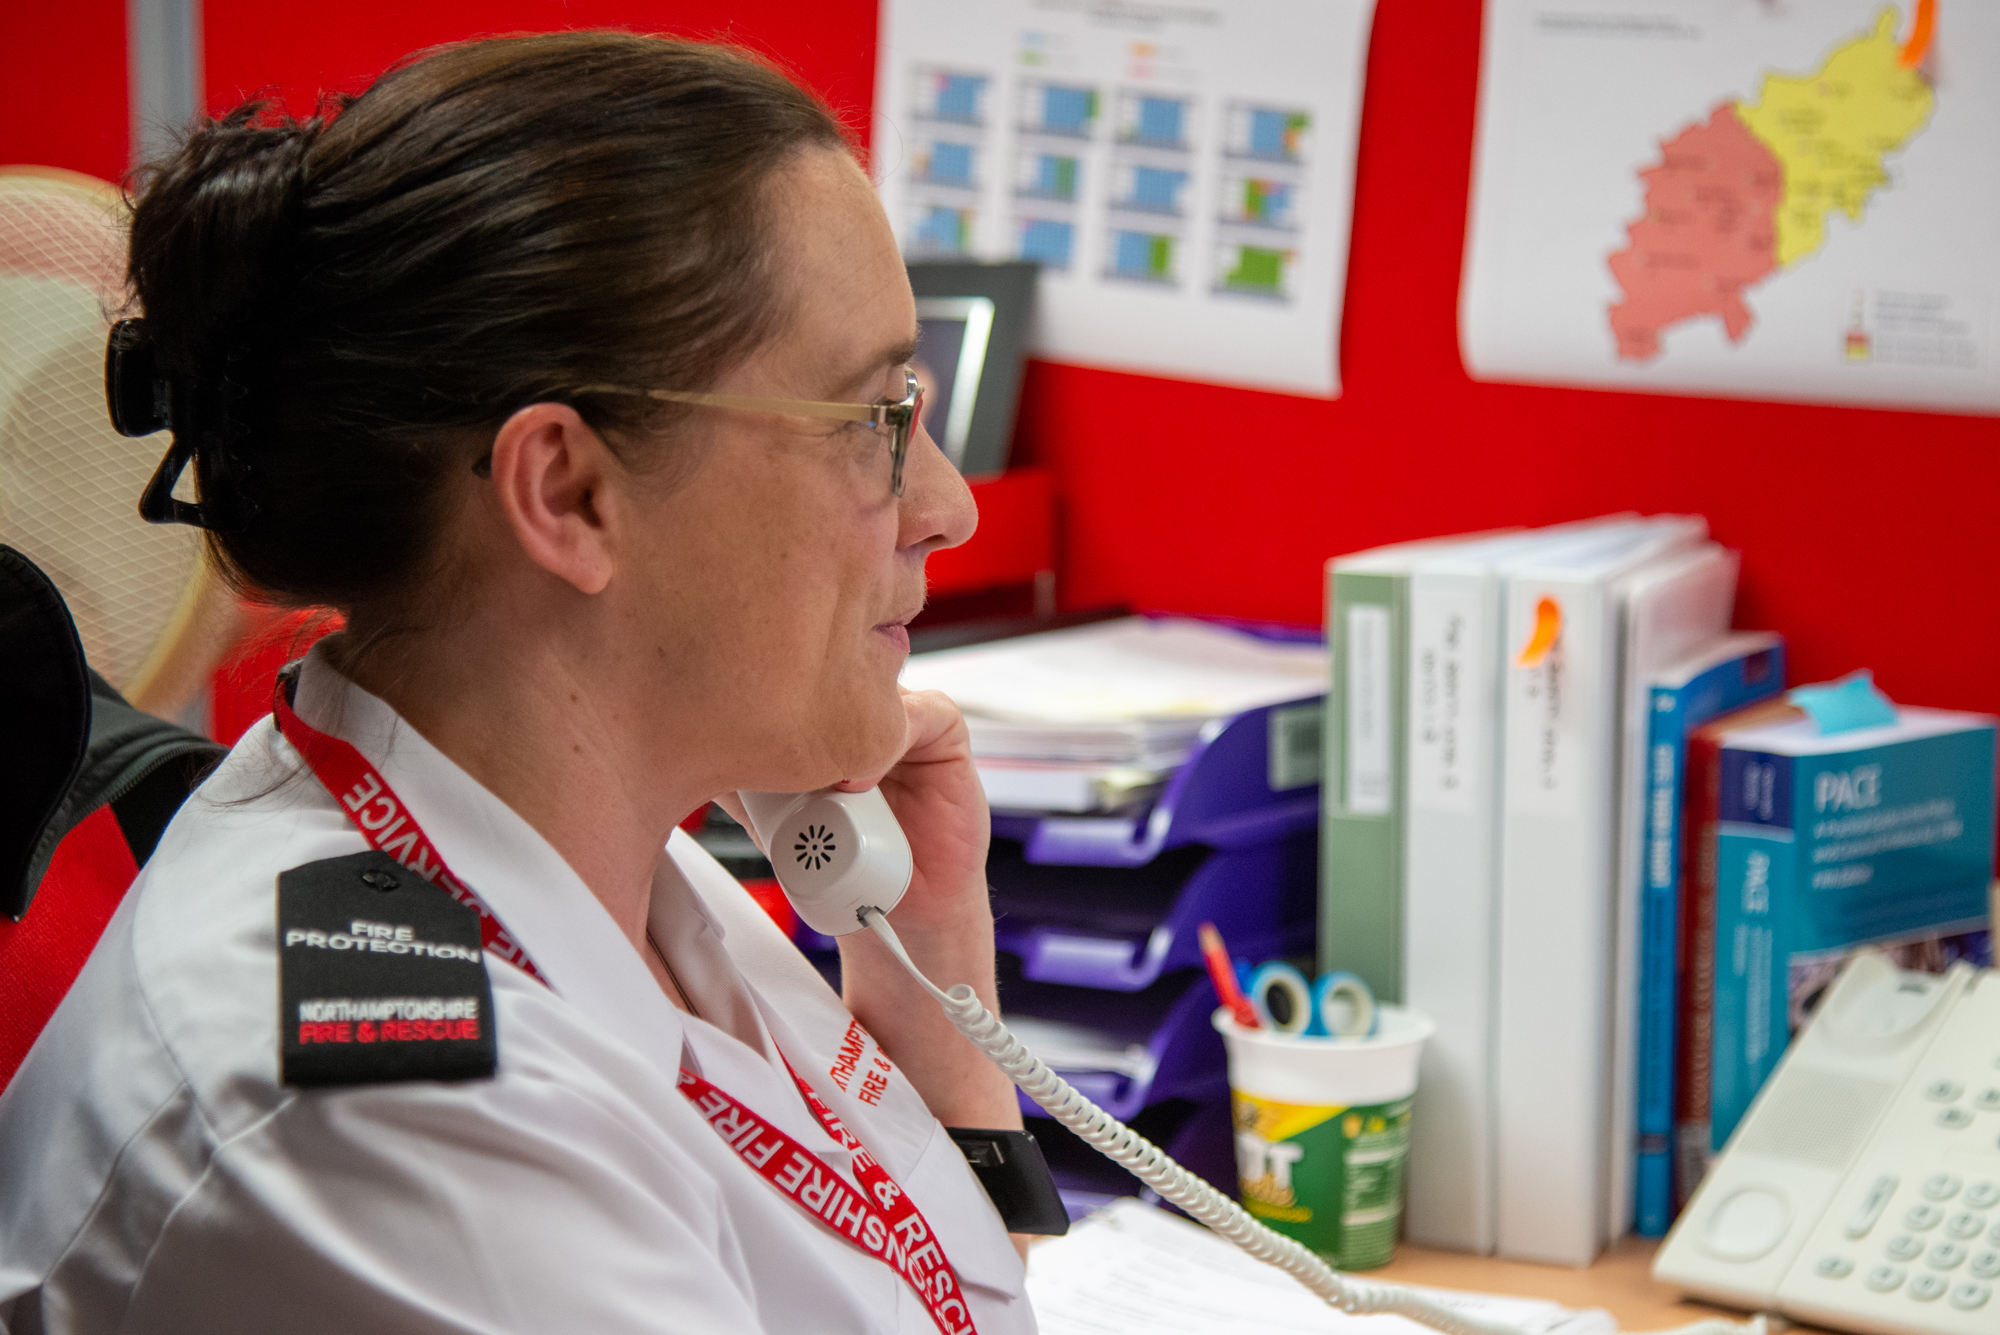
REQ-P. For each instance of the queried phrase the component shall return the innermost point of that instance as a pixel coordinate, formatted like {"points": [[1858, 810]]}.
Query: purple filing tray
{"points": [[1113, 901]]}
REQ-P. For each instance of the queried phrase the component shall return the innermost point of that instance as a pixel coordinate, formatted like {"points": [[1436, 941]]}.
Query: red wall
{"points": [[1867, 536], [62, 85]]}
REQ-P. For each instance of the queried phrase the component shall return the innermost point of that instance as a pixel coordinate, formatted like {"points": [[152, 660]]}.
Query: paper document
{"points": [[1133, 1268], [1183, 173], [1072, 1047], [1170, 671], [1747, 200]]}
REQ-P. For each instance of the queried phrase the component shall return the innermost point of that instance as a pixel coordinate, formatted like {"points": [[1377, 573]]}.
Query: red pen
{"points": [[1223, 975]]}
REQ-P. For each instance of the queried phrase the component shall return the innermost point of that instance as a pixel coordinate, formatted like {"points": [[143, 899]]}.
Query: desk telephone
{"points": [[1862, 1188], [843, 862]]}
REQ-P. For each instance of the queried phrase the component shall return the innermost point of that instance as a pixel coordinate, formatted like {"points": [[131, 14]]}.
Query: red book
{"points": [[1694, 962]]}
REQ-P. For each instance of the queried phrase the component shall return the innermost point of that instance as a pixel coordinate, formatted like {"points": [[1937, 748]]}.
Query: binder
{"points": [[1669, 608], [1361, 827], [1560, 721], [1451, 865]]}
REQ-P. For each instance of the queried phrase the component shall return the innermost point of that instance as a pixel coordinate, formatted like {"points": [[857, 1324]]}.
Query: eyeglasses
{"points": [[900, 418]]}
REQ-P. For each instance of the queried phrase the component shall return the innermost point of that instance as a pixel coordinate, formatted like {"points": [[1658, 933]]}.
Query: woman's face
{"points": [[777, 577]]}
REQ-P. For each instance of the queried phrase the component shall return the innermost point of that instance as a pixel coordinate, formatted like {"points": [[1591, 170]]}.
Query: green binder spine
{"points": [[1361, 827]]}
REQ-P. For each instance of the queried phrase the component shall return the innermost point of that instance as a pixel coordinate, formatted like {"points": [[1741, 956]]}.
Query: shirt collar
{"points": [[528, 886]]}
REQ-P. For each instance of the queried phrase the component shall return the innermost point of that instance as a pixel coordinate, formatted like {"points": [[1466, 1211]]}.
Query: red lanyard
{"points": [[888, 1227]]}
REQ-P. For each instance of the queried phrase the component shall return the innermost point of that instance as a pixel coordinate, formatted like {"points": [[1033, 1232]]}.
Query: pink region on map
{"points": [[1708, 233]]}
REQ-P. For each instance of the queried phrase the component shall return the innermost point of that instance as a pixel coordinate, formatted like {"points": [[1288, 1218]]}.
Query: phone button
{"points": [[1945, 1256], [1953, 1119], [1985, 1265], [1833, 1267], [1965, 1224], [1903, 1247], [1926, 1287], [1943, 1091], [1970, 1297], [1748, 1224], [1988, 1100], [1942, 1186], [1921, 1217], [1982, 1195], [1884, 1278], [1872, 1206]]}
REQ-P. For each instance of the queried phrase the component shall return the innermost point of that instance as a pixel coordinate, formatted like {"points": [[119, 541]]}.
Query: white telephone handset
{"points": [[844, 863], [834, 853]]}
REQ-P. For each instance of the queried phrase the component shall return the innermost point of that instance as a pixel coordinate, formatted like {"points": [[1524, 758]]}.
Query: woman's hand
{"points": [[935, 794]]}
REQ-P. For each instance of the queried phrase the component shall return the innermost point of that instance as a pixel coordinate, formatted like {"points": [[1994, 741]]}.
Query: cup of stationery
{"points": [[1322, 1120]]}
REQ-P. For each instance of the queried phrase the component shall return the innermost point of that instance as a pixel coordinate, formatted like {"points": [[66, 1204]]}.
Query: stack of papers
{"points": [[1097, 717], [1132, 1268]]}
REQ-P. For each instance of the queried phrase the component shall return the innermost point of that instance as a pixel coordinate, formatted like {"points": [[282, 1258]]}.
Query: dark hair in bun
{"points": [[489, 225]]}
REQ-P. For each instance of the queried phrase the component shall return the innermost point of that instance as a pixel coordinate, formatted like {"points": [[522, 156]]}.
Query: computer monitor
{"points": [[973, 325]]}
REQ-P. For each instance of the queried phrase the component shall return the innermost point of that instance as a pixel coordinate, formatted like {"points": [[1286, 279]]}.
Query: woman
{"points": [[412, 345]]}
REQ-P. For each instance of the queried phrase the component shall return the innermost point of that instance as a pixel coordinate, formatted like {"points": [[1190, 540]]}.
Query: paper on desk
{"points": [[1133, 1268], [1131, 669]]}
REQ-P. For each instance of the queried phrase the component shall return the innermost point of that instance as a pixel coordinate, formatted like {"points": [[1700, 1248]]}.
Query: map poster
{"points": [[1775, 199], [1182, 170]]}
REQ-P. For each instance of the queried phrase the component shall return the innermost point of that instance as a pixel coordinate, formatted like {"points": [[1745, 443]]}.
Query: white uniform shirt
{"points": [[155, 1176]]}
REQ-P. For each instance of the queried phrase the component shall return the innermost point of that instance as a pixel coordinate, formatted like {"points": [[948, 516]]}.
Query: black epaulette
{"points": [[380, 977]]}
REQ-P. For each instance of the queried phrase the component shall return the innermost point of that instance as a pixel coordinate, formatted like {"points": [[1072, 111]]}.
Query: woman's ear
{"points": [[549, 472]]}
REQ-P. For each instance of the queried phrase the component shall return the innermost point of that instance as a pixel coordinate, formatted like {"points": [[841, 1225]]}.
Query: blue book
{"points": [[1877, 836], [1736, 670]]}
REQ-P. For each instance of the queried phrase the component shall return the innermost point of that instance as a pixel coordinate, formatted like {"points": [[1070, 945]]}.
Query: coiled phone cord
{"points": [[1151, 1165]]}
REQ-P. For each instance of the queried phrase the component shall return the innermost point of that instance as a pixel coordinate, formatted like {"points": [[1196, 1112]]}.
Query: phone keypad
{"points": [[1926, 1286], [1945, 1256], [1942, 1186], [1886, 1278], [1964, 1224], [1922, 1269]]}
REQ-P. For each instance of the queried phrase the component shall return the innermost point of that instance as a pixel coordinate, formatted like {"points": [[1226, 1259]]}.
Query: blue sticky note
{"points": [[1844, 705]]}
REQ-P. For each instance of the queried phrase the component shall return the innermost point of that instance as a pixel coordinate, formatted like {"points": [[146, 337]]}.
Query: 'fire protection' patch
{"points": [[380, 977]]}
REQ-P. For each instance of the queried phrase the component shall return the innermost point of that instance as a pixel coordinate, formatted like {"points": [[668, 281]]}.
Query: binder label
{"points": [[1368, 710], [1446, 678], [1546, 761]]}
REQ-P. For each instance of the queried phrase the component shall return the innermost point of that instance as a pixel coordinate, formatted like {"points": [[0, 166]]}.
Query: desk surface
{"points": [[1620, 1282]]}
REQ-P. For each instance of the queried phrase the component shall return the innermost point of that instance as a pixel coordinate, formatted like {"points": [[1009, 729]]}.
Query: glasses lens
{"points": [[904, 430]]}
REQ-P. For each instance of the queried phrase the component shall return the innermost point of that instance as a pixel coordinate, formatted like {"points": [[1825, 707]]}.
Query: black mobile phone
{"points": [[1010, 1166]]}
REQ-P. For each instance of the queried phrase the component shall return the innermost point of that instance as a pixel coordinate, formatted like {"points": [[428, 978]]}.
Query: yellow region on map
{"points": [[1830, 129]]}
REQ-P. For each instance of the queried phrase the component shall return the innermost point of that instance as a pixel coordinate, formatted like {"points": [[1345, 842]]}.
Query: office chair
{"points": [[88, 788], [151, 617]]}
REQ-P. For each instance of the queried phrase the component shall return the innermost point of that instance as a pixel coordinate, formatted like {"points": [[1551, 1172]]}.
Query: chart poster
{"points": [[1182, 170], [1778, 199]]}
